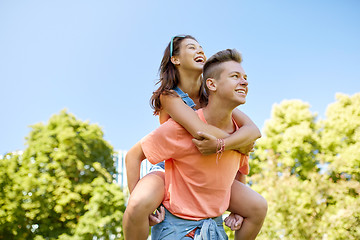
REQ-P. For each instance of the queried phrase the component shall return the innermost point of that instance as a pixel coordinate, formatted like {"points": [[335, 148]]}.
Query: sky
{"points": [[100, 59]]}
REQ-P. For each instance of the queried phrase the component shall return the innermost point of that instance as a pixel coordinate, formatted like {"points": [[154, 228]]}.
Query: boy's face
{"points": [[232, 84]]}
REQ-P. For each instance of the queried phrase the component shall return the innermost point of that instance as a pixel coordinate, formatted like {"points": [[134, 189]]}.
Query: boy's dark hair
{"points": [[213, 68]]}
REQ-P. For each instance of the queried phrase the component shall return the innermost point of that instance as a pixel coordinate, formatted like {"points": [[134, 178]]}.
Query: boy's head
{"points": [[225, 77]]}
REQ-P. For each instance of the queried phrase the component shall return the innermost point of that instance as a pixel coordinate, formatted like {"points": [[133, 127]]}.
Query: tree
{"points": [[64, 175], [315, 208], [340, 137], [291, 135], [288, 168], [103, 216], [12, 216]]}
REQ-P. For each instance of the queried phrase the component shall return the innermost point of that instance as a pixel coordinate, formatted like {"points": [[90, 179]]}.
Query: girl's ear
{"points": [[175, 60], [211, 84]]}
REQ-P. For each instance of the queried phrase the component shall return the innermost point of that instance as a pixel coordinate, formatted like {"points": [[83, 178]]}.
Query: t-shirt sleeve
{"points": [[244, 164], [160, 144]]}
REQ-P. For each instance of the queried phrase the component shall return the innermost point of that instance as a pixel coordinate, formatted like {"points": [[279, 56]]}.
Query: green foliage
{"points": [[12, 216], [340, 137], [304, 202], [61, 186], [103, 215], [309, 209], [291, 135]]}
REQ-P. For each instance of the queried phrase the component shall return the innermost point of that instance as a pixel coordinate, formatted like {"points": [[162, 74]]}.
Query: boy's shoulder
{"points": [[169, 126]]}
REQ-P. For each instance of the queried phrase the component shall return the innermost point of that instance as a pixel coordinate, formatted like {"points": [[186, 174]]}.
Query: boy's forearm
{"points": [[133, 160]]}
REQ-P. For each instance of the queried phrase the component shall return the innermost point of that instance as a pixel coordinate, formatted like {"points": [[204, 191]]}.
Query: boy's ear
{"points": [[211, 84], [175, 60]]}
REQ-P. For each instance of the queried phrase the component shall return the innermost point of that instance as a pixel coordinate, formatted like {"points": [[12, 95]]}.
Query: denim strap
{"points": [[208, 231], [185, 97], [188, 101]]}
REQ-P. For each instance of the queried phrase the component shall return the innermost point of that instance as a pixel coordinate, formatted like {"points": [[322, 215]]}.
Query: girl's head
{"points": [[170, 63], [183, 49]]}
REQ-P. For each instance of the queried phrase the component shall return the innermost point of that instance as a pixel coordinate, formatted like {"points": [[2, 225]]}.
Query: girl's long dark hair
{"points": [[169, 76]]}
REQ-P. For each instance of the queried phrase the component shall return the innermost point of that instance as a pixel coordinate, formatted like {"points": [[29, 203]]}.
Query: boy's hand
{"points": [[206, 144], [234, 221], [157, 217]]}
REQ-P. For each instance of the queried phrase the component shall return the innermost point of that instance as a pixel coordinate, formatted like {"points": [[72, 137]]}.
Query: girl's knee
{"points": [[140, 203], [261, 207]]}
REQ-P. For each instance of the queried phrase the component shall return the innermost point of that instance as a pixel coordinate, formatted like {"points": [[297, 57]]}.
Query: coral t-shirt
{"points": [[196, 186]]}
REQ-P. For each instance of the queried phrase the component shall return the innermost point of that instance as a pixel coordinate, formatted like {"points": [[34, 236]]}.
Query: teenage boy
{"points": [[197, 187]]}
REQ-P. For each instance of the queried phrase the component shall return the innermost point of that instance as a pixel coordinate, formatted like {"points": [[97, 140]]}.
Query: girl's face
{"points": [[191, 55]]}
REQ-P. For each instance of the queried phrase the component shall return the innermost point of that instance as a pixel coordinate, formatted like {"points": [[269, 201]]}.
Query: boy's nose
{"points": [[243, 82]]}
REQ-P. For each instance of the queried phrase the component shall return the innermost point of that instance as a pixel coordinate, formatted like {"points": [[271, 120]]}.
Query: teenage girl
{"points": [[180, 93]]}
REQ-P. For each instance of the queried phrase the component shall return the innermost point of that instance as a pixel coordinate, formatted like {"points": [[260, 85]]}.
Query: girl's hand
{"points": [[157, 217], [206, 143], [234, 221], [247, 149]]}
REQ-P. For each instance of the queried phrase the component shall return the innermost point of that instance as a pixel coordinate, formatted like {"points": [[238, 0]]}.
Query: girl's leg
{"points": [[145, 198], [251, 206]]}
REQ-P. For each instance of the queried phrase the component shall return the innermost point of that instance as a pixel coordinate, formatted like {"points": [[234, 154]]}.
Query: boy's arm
{"points": [[234, 220], [133, 160]]}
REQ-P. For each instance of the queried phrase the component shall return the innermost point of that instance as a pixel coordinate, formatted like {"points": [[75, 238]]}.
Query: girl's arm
{"points": [[133, 160], [188, 118], [185, 116], [245, 135], [242, 140]]}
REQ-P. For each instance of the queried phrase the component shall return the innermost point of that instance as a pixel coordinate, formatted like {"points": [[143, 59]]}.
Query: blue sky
{"points": [[100, 59]]}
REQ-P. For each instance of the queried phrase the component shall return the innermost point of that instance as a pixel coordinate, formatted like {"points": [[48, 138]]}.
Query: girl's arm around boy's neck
{"points": [[246, 135], [186, 117]]}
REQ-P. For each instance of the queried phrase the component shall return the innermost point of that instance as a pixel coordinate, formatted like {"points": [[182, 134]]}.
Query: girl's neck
{"points": [[190, 83]]}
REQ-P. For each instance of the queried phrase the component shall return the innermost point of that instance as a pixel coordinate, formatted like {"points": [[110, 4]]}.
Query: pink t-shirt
{"points": [[196, 186]]}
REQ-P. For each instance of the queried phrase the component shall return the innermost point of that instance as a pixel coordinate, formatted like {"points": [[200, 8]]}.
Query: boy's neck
{"points": [[190, 82], [219, 115]]}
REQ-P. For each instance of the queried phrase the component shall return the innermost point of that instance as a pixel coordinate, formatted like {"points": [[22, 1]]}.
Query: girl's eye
{"points": [[234, 76]]}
